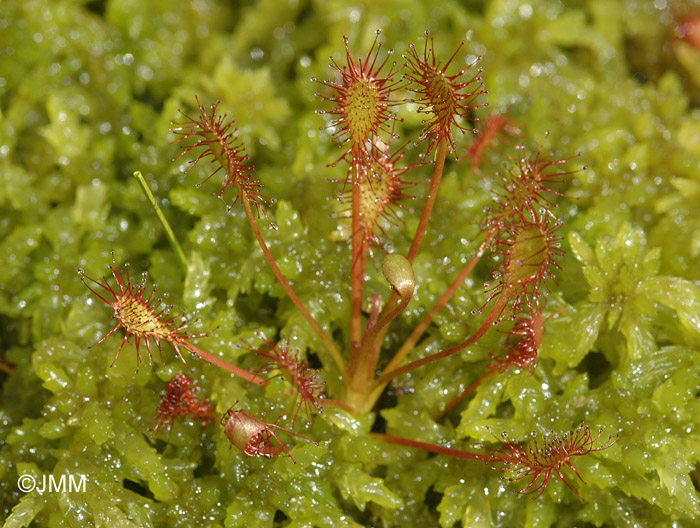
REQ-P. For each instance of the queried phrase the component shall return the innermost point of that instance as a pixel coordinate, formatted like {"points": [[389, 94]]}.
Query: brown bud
{"points": [[253, 436]]}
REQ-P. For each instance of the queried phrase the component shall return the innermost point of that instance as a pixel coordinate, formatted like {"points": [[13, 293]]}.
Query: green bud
{"points": [[399, 273]]}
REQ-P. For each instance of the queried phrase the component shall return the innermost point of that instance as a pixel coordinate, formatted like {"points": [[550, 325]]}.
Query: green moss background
{"points": [[87, 93]]}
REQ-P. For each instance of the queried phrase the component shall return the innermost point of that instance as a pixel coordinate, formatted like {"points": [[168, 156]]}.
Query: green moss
{"points": [[87, 94]]}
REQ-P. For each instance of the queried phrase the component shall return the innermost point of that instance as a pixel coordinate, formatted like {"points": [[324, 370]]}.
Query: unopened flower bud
{"points": [[399, 273]]}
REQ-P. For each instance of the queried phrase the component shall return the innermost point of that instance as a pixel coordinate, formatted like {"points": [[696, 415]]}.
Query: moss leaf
{"points": [[363, 488]]}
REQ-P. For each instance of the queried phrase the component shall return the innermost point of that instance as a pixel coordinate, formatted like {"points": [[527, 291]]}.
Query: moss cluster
{"points": [[87, 93]]}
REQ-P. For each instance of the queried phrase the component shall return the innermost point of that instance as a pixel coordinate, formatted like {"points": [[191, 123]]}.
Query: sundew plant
{"points": [[417, 263]]}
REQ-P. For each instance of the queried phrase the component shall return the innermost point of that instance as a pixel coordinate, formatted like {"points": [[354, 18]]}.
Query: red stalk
{"points": [[424, 323], [430, 200], [432, 447], [466, 392], [327, 341], [233, 369], [422, 225], [359, 261], [491, 318]]}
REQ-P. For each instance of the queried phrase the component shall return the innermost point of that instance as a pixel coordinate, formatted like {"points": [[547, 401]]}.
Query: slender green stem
{"points": [[177, 248], [327, 341]]}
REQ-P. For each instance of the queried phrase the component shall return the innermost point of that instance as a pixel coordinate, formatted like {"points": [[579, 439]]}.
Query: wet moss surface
{"points": [[87, 94]]}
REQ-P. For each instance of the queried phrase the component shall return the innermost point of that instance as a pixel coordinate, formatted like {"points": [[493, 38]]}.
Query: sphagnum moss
{"points": [[86, 92]]}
